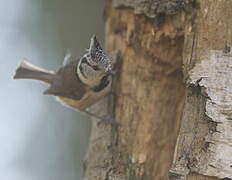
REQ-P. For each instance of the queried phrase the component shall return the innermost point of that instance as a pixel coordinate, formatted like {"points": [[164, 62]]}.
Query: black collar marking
{"points": [[104, 82]]}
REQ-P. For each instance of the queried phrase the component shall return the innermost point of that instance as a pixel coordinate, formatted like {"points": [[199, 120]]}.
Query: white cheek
{"points": [[91, 73], [92, 78]]}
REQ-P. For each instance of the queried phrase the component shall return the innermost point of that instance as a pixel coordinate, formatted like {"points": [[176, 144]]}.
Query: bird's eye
{"points": [[84, 60], [96, 68]]}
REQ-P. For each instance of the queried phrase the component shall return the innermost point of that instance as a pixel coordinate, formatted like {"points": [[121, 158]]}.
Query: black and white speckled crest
{"points": [[98, 56]]}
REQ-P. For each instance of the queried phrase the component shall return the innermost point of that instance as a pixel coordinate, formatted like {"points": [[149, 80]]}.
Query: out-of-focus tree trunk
{"points": [[170, 84], [205, 140]]}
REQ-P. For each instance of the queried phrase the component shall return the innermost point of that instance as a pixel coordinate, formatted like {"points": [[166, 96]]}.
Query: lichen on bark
{"points": [[153, 8]]}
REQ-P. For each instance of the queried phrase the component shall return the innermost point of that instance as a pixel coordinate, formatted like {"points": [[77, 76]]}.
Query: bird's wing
{"points": [[68, 83]]}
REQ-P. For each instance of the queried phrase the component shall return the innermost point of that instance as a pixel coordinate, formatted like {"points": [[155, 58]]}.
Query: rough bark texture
{"points": [[155, 38], [150, 79], [155, 8], [204, 142], [150, 95]]}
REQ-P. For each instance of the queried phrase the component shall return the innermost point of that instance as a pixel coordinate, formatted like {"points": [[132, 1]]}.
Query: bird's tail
{"points": [[27, 70]]}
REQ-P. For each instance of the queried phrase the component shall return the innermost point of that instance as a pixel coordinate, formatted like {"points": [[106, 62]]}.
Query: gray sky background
{"points": [[39, 138]]}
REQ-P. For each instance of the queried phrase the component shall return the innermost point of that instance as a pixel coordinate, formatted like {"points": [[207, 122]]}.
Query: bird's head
{"points": [[94, 64]]}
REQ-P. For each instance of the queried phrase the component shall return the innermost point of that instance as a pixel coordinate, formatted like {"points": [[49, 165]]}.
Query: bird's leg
{"points": [[107, 119], [104, 119]]}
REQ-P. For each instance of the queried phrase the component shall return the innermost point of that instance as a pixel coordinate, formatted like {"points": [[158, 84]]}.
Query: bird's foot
{"points": [[108, 120]]}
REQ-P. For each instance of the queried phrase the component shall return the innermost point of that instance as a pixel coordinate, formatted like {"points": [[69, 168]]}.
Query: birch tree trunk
{"points": [[205, 140], [174, 83]]}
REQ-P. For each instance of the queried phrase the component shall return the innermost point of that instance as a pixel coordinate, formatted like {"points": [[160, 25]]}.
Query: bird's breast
{"points": [[91, 97]]}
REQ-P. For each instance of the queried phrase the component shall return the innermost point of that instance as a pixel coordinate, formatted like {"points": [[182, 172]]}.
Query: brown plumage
{"points": [[65, 84], [77, 84]]}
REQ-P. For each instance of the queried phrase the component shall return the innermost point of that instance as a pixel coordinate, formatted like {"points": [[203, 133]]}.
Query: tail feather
{"points": [[27, 70]]}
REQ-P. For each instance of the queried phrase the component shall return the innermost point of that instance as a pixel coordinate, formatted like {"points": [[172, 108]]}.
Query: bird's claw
{"points": [[108, 120]]}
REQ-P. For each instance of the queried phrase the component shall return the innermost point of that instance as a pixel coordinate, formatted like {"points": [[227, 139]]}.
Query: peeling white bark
{"points": [[216, 79]]}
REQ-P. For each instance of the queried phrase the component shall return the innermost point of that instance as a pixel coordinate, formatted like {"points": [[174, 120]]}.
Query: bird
{"points": [[77, 83]]}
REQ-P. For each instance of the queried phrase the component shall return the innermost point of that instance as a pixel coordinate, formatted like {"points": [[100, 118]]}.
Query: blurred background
{"points": [[39, 138]]}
